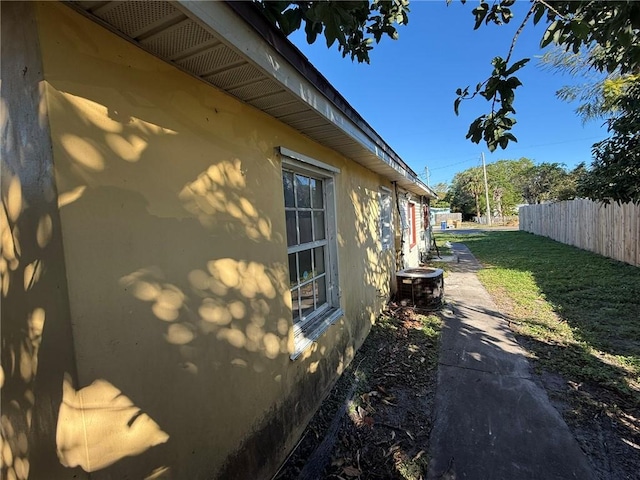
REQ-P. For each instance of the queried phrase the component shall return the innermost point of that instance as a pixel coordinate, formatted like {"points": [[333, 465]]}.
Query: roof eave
{"points": [[234, 48], [368, 137]]}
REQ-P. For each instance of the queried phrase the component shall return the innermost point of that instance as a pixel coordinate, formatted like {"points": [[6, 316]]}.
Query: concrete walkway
{"points": [[492, 421]]}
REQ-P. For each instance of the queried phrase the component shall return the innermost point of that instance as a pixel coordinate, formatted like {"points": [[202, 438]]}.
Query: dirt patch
{"points": [[376, 421], [606, 425]]}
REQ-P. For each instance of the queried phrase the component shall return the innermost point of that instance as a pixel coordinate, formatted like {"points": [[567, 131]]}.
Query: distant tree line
{"points": [[511, 183]]}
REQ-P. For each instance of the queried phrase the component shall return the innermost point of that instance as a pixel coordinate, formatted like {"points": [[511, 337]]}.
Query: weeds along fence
{"points": [[503, 220], [611, 230]]}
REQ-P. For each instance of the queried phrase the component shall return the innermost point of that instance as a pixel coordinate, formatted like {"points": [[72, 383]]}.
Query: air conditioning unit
{"points": [[420, 287]]}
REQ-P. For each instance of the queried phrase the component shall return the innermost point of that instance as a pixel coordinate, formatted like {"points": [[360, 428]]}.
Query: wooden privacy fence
{"points": [[611, 230]]}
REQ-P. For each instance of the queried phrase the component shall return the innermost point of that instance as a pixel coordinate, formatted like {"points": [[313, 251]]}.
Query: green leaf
{"points": [[332, 31], [506, 15], [476, 129], [513, 82], [625, 38], [516, 66], [490, 88], [506, 96], [540, 11], [312, 30], [547, 38], [480, 13], [499, 64], [456, 105], [290, 21], [579, 29]]}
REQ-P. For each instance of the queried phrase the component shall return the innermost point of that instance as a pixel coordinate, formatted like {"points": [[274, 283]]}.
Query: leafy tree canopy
{"points": [[353, 24], [615, 171], [598, 92], [543, 183], [513, 182], [504, 179], [442, 190], [612, 28], [465, 192]]}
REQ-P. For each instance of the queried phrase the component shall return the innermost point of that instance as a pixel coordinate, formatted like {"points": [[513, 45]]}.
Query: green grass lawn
{"points": [[576, 312]]}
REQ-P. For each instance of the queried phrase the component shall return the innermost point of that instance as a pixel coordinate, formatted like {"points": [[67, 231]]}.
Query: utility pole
{"points": [[426, 171], [486, 190]]}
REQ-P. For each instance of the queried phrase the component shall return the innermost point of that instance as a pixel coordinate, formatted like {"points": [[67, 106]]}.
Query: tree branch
{"points": [[519, 31], [550, 8]]}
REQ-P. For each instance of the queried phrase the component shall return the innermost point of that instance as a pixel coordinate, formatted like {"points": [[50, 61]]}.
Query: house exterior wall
{"points": [[169, 195]]}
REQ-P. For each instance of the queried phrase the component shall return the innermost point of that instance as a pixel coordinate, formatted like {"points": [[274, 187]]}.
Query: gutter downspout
{"points": [[400, 254]]}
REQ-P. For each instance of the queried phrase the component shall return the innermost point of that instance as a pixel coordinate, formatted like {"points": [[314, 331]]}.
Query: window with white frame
{"points": [[311, 232], [385, 219]]}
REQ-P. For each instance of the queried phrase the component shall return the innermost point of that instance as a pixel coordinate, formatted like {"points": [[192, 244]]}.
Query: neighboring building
{"points": [[415, 236], [198, 233]]}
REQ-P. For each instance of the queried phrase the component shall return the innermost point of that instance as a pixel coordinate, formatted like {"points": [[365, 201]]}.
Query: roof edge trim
{"points": [[237, 22]]}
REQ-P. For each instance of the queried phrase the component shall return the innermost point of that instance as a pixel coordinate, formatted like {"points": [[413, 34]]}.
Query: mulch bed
{"points": [[376, 421]]}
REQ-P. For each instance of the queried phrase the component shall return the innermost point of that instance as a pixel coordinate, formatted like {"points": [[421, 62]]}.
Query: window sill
{"points": [[305, 337]]}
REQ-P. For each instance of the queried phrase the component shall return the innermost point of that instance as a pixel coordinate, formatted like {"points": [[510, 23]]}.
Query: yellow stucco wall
{"points": [[170, 197]]}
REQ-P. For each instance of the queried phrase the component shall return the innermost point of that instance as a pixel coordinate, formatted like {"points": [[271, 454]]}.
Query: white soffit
{"points": [[208, 40]]}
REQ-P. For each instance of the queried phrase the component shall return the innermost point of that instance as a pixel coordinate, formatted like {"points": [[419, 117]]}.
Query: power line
{"points": [[453, 164], [516, 148]]}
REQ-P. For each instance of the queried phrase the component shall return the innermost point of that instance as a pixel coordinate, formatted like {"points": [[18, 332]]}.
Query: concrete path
{"points": [[492, 421]]}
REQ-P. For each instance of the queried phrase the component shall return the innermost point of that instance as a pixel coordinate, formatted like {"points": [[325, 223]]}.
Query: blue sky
{"points": [[407, 91]]}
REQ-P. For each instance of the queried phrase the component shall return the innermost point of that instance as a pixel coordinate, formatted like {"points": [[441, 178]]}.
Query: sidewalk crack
{"points": [[490, 372]]}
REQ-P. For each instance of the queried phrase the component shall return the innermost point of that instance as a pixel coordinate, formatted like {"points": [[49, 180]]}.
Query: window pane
{"points": [[292, 270], [321, 291], [318, 225], [306, 299], [385, 220], [412, 221], [291, 228], [304, 265], [303, 194], [287, 180], [305, 227], [316, 193], [386, 236], [318, 258], [295, 304], [385, 209]]}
